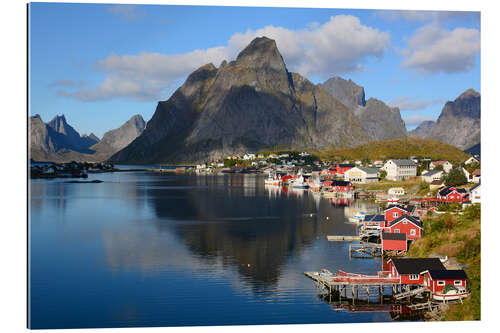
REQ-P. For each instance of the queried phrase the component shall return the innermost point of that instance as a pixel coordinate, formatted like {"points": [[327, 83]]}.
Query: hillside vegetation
{"points": [[458, 237], [398, 148]]}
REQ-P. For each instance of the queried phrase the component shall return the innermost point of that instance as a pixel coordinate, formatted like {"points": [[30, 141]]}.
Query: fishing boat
{"points": [[272, 180], [392, 201], [315, 182], [300, 183]]}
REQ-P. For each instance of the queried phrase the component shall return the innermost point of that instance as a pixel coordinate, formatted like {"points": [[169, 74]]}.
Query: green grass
{"points": [[398, 148], [459, 237]]}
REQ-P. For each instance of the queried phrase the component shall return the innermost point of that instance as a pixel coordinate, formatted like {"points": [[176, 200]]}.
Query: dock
{"points": [[343, 238]]}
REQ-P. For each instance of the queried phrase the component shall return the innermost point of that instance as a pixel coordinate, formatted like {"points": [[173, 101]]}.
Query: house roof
{"points": [[404, 162], [477, 172], [410, 208], [431, 172], [417, 265], [369, 170], [475, 186], [446, 190], [393, 236], [447, 274], [412, 219], [374, 218], [395, 206], [439, 162], [437, 182], [339, 183]]}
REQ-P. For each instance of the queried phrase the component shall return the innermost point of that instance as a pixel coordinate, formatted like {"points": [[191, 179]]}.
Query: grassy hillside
{"points": [[458, 237], [398, 148]]}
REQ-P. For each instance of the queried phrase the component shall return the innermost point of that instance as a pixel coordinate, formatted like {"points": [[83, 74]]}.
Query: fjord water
{"points": [[151, 249]]}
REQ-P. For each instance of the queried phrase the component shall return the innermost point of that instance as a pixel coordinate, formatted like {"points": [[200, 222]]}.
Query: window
{"points": [[396, 231], [395, 214], [457, 282], [413, 232], [414, 276], [440, 283], [404, 222]]}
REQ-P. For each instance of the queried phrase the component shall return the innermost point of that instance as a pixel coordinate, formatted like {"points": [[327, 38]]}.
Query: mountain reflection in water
{"points": [[140, 249]]}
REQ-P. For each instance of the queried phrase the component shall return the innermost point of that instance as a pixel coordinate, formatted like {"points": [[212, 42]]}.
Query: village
{"points": [[407, 190]]}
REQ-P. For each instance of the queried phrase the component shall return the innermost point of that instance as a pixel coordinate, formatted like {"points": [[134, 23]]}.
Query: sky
{"points": [[100, 64]]}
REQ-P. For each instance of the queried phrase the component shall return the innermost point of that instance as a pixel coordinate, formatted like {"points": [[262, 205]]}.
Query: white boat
{"points": [[452, 294], [300, 183], [272, 180], [360, 216]]}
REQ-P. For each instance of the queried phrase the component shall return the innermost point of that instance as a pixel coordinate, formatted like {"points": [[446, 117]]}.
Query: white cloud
{"points": [[415, 120], [406, 103], [432, 50], [125, 12], [336, 47]]}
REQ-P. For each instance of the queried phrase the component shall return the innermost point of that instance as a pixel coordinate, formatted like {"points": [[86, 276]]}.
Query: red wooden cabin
{"points": [[436, 280], [452, 194], [408, 270], [339, 169], [409, 225], [394, 242], [393, 212]]}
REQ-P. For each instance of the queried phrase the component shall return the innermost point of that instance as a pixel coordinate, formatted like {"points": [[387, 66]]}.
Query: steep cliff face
{"points": [[380, 121], [422, 130], [248, 104], [460, 121]]}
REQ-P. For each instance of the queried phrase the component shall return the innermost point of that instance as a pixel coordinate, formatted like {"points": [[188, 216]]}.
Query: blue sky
{"points": [[100, 64]]}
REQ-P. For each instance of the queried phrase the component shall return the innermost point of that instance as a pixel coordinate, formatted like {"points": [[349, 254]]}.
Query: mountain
{"points": [[114, 140], [249, 104], [459, 123], [474, 150], [380, 121], [399, 148], [57, 141], [422, 130]]}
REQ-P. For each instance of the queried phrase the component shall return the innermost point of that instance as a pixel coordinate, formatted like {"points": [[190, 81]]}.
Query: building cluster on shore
{"points": [[68, 170]]}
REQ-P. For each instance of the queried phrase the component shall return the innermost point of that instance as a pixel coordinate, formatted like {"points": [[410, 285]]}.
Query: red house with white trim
{"points": [[405, 224], [452, 194], [339, 169], [393, 212], [408, 270], [436, 281]]}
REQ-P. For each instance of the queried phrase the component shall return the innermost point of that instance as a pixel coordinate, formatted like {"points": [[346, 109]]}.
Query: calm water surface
{"points": [[145, 249]]}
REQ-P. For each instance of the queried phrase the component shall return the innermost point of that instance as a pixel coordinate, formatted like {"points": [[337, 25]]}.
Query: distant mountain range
{"points": [[253, 103], [459, 123], [58, 141]]}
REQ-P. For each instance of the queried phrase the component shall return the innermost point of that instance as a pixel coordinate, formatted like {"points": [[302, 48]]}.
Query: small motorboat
{"points": [[451, 293]]}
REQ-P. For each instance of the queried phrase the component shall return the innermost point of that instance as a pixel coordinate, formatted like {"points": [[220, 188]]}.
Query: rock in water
{"points": [[249, 104]]}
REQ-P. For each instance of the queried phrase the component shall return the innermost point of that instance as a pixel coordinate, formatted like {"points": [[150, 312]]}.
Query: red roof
{"points": [[439, 162], [477, 172]]}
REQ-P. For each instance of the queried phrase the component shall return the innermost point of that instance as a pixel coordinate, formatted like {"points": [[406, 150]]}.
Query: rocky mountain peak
{"points": [[262, 52], [468, 94], [346, 91]]}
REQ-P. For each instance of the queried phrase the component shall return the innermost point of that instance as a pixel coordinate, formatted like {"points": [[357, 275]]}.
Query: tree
{"points": [[383, 174], [455, 177], [439, 167]]}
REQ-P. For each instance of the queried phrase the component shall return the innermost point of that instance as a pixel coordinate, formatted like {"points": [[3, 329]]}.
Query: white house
{"points": [[396, 191], [471, 160], [447, 166], [362, 175], [475, 193], [400, 169], [430, 175], [378, 163], [476, 176], [249, 157]]}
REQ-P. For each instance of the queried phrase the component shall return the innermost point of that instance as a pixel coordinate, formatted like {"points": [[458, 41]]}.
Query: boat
{"points": [[392, 201], [451, 293], [315, 182], [272, 180], [300, 183], [360, 216]]}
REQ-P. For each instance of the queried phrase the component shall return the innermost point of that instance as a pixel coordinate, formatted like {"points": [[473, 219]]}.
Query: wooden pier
{"points": [[343, 238]]}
